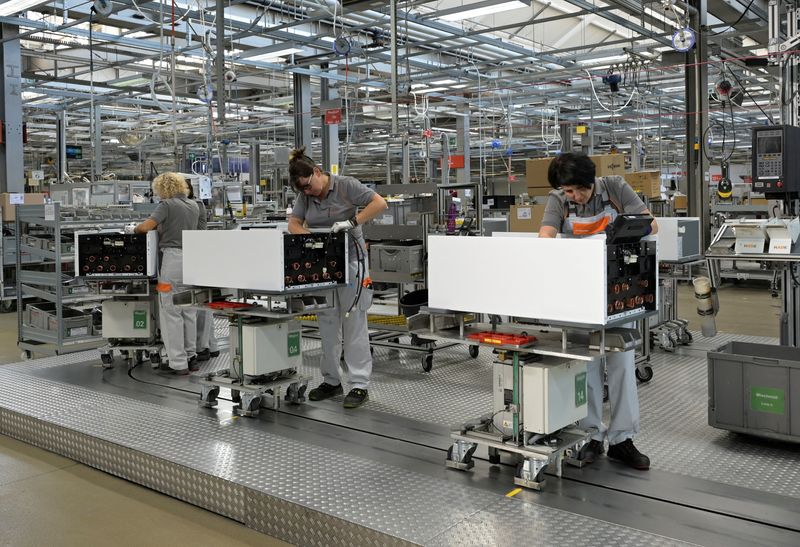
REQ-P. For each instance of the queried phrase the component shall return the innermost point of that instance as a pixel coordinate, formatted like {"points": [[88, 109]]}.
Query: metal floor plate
{"points": [[288, 473], [674, 412], [399, 503]]}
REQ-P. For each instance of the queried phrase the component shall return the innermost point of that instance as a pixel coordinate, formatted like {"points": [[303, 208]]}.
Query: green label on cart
{"points": [[767, 399], [294, 344], [140, 319], [580, 389]]}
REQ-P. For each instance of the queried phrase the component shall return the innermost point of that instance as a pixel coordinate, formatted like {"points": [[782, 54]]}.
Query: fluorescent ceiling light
{"points": [[612, 59], [443, 82], [12, 7], [486, 10], [429, 90], [268, 52]]}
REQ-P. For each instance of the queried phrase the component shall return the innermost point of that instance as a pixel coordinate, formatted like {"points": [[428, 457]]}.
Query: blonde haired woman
{"points": [[174, 214]]}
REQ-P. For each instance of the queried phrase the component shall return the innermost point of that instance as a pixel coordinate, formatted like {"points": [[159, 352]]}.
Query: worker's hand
{"points": [[345, 225], [129, 229]]}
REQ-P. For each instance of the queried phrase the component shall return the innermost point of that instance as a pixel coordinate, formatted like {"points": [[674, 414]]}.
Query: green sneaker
{"points": [[325, 391], [356, 398]]}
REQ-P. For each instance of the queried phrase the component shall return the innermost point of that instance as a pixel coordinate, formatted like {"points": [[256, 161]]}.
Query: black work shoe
{"points": [[356, 398], [626, 453], [204, 355], [193, 366], [591, 451], [180, 372], [214, 354], [325, 391]]}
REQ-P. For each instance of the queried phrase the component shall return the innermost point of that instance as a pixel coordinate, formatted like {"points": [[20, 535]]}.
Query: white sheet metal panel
{"points": [[557, 280], [241, 259]]}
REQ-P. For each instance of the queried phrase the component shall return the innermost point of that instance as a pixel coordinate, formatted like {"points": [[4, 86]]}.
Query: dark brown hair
{"points": [[300, 165]]}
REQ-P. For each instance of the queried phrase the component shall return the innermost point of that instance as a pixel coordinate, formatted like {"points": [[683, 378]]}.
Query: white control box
{"points": [[553, 395], [264, 259], [128, 319], [268, 347]]}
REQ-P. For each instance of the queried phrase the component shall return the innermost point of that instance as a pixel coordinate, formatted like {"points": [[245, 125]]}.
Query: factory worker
{"points": [[330, 201], [206, 339], [174, 214], [582, 205]]}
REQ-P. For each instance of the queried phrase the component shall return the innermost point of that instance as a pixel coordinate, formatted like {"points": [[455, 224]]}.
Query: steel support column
{"points": [[302, 111], [463, 176], [696, 122], [61, 146], [393, 84], [255, 168], [329, 100], [11, 159], [97, 151]]}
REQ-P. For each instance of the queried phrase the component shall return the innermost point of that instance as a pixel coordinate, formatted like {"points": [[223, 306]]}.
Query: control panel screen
{"points": [[769, 143]]}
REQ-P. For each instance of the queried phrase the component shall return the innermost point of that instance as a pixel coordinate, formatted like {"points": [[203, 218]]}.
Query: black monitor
{"points": [[74, 152], [628, 228]]}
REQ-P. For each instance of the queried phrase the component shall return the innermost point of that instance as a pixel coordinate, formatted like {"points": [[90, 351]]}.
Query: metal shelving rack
{"points": [[53, 269]]}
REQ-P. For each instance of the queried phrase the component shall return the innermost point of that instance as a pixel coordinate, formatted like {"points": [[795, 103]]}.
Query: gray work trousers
{"points": [[178, 324], [206, 338], [623, 397], [336, 325]]}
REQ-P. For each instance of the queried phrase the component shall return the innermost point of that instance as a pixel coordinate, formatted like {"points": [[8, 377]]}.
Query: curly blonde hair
{"points": [[168, 185]]}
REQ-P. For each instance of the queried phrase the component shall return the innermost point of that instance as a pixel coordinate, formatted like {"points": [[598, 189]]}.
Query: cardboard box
{"points": [[536, 172], [525, 218], [10, 201], [610, 164], [539, 192], [647, 183], [680, 202], [605, 165]]}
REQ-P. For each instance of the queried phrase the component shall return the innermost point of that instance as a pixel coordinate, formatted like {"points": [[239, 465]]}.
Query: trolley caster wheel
{"points": [[427, 362], [464, 460], [107, 359], [126, 355], [236, 396], [295, 395], [25, 355], [208, 397], [7, 306], [494, 456], [645, 374], [605, 394], [394, 340], [473, 351], [138, 357], [530, 481], [155, 359]]}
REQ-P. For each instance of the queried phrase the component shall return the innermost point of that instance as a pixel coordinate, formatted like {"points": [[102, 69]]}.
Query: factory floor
{"points": [[49, 499]]}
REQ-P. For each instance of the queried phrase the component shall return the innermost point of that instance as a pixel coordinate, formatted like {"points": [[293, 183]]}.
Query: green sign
{"points": [[767, 399], [294, 343], [140, 319], [580, 389]]}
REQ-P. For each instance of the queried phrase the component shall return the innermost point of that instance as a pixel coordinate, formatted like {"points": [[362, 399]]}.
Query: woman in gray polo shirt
{"points": [[329, 201], [174, 214]]}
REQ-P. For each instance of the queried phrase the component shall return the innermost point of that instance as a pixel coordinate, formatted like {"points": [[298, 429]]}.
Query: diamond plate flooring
{"points": [[403, 504]]}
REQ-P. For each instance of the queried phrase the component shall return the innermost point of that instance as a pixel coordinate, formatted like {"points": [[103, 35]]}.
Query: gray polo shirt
{"points": [[345, 196], [202, 221], [619, 193], [174, 215]]}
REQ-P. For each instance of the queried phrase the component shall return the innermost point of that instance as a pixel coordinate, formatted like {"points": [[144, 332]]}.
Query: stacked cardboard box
{"points": [[525, 218], [9, 201], [647, 183]]}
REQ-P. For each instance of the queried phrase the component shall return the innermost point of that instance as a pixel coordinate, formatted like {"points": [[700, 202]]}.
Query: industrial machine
{"points": [[276, 277], [776, 161], [124, 267], [110, 254], [265, 260], [539, 376]]}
